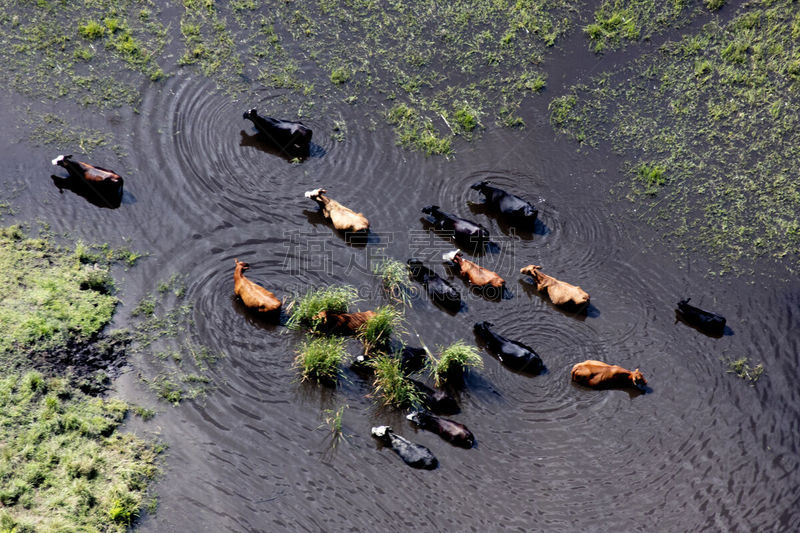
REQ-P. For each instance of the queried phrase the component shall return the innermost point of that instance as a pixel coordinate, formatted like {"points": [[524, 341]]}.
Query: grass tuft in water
{"points": [[332, 419], [391, 385], [319, 359], [333, 299], [453, 361], [742, 368], [378, 330], [394, 278]]}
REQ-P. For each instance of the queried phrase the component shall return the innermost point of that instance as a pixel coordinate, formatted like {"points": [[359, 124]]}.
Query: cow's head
{"points": [[381, 431], [451, 256], [241, 265], [638, 379], [61, 160], [530, 270], [250, 114], [418, 417], [315, 194], [478, 186], [428, 209], [483, 327]]}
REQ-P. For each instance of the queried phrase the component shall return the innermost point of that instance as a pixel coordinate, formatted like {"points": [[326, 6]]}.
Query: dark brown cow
{"points": [[90, 174], [344, 323]]}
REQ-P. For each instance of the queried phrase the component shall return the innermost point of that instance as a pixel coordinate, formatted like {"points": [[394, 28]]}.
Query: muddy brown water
{"points": [[701, 450]]}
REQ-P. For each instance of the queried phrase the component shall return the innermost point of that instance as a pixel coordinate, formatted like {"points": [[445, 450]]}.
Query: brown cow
{"points": [[602, 375], [343, 219], [253, 295], [477, 275], [88, 173], [560, 292], [344, 323]]}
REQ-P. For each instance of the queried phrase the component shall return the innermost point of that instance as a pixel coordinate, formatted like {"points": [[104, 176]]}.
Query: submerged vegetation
{"points": [[319, 359], [742, 368], [58, 49], [179, 368], [65, 466], [439, 68], [710, 133], [619, 21], [453, 361]]}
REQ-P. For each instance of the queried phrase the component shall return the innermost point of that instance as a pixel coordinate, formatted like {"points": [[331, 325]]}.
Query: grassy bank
{"points": [[64, 464], [710, 135], [51, 295]]}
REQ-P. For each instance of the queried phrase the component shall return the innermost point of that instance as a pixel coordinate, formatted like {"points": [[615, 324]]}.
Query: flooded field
{"points": [[702, 449]]}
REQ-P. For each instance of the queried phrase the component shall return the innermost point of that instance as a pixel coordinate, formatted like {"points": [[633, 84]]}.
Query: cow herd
{"points": [[294, 138]]}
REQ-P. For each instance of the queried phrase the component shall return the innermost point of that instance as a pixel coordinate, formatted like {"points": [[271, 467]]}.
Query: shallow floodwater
{"points": [[701, 450]]}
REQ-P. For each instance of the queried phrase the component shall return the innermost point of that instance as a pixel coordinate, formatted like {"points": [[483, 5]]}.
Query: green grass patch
{"points": [[394, 280], [70, 49], [51, 296], [303, 311], [391, 385], [620, 21], [319, 359], [742, 368], [452, 361], [66, 466], [709, 134], [378, 330], [332, 419]]}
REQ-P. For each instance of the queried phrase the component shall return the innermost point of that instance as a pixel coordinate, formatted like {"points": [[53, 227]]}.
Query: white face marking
{"points": [[380, 431], [451, 256], [312, 194], [57, 160]]}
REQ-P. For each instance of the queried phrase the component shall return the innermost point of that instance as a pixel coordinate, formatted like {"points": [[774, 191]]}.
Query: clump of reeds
{"points": [[319, 359], [333, 420], [394, 276], [453, 361], [304, 311], [377, 331], [391, 385]]}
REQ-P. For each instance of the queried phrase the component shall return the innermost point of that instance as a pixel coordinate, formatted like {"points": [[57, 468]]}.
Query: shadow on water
{"points": [[94, 195], [632, 392], [290, 154], [727, 332], [270, 322], [508, 227]]}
